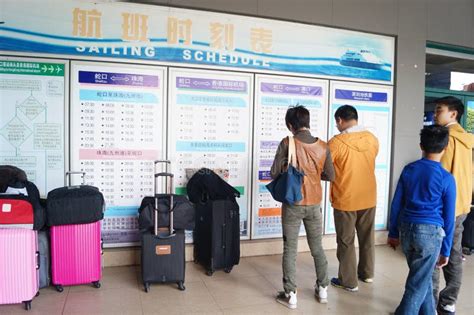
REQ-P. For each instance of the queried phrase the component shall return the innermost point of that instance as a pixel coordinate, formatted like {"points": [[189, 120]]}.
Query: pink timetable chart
{"points": [[117, 132]]}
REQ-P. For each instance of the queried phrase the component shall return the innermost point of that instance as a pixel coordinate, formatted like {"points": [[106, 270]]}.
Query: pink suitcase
{"points": [[19, 266], [76, 255]]}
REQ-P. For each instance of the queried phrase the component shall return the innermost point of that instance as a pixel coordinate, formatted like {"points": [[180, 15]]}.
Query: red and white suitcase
{"points": [[76, 253], [16, 211], [19, 266]]}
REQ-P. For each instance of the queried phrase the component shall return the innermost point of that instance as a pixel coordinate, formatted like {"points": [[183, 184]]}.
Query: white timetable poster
{"points": [[273, 96], [32, 94], [209, 125], [374, 107], [117, 129]]}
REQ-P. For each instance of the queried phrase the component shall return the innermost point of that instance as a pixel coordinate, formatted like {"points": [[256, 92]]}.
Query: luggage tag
{"points": [[163, 250]]}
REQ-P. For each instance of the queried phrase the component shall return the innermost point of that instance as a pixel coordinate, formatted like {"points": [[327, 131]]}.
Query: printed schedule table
{"points": [[274, 95], [374, 107], [210, 126], [117, 131]]}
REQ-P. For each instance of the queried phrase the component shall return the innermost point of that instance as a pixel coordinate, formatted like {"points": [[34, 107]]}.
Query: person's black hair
{"points": [[346, 113], [298, 117], [434, 138], [453, 104]]}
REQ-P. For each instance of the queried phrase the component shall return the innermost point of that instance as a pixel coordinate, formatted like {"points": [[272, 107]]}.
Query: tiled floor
{"points": [[248, 289]]}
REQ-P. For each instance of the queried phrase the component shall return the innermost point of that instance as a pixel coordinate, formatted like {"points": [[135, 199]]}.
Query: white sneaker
{"points": [[321, 294], [367, 280], [448, 308], [287, 299]]}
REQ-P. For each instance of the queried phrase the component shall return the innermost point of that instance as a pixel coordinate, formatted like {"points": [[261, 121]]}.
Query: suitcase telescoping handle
{"points": [[170, 177], [167, 162], [38, 260], [68, 177]]}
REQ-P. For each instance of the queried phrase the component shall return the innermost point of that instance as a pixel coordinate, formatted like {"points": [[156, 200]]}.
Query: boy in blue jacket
{"points": [[422, 216]]}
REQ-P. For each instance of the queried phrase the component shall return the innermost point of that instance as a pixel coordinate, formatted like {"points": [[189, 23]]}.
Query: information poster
{"points": [[32, 94], [117, 130], [374, 107], [274, 95], [209, 119]]}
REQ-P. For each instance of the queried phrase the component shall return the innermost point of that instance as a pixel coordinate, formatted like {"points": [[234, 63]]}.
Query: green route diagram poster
{"points": [[32, 102]]}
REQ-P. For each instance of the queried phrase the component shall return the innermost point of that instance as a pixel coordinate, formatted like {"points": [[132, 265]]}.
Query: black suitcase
{"points": [[163, 259], [74, 204], [468, 234], [217, 235]]}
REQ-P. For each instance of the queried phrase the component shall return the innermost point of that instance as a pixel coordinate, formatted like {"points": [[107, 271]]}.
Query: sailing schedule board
{"points": [[375, 110], [209, 125], [118, 113], [32, 124], [273, 96], [117, 131]]}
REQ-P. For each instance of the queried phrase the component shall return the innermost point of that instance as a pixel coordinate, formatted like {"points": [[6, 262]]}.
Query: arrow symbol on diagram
{"points": [[44, 68], [51, 69]]}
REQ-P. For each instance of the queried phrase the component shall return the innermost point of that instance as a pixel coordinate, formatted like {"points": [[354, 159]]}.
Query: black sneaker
{"points": [[287, 299], [335, 282]]}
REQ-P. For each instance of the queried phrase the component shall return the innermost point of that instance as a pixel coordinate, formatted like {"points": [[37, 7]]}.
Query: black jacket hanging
{"points": [[206, 184]]}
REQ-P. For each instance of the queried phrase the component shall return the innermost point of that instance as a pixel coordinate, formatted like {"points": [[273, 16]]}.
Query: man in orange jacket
{"points": [[457, 160], [354, 198]]}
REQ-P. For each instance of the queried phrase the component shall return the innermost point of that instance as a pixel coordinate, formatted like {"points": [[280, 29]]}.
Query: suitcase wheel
{"points": [[147, 287], [59, 288], [27, 305], [228, 270], [96, 284], [210, 272], [181, 286]]}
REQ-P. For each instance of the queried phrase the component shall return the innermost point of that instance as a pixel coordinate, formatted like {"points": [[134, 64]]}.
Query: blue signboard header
{"points": [[159, 33], [361, 96]]}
